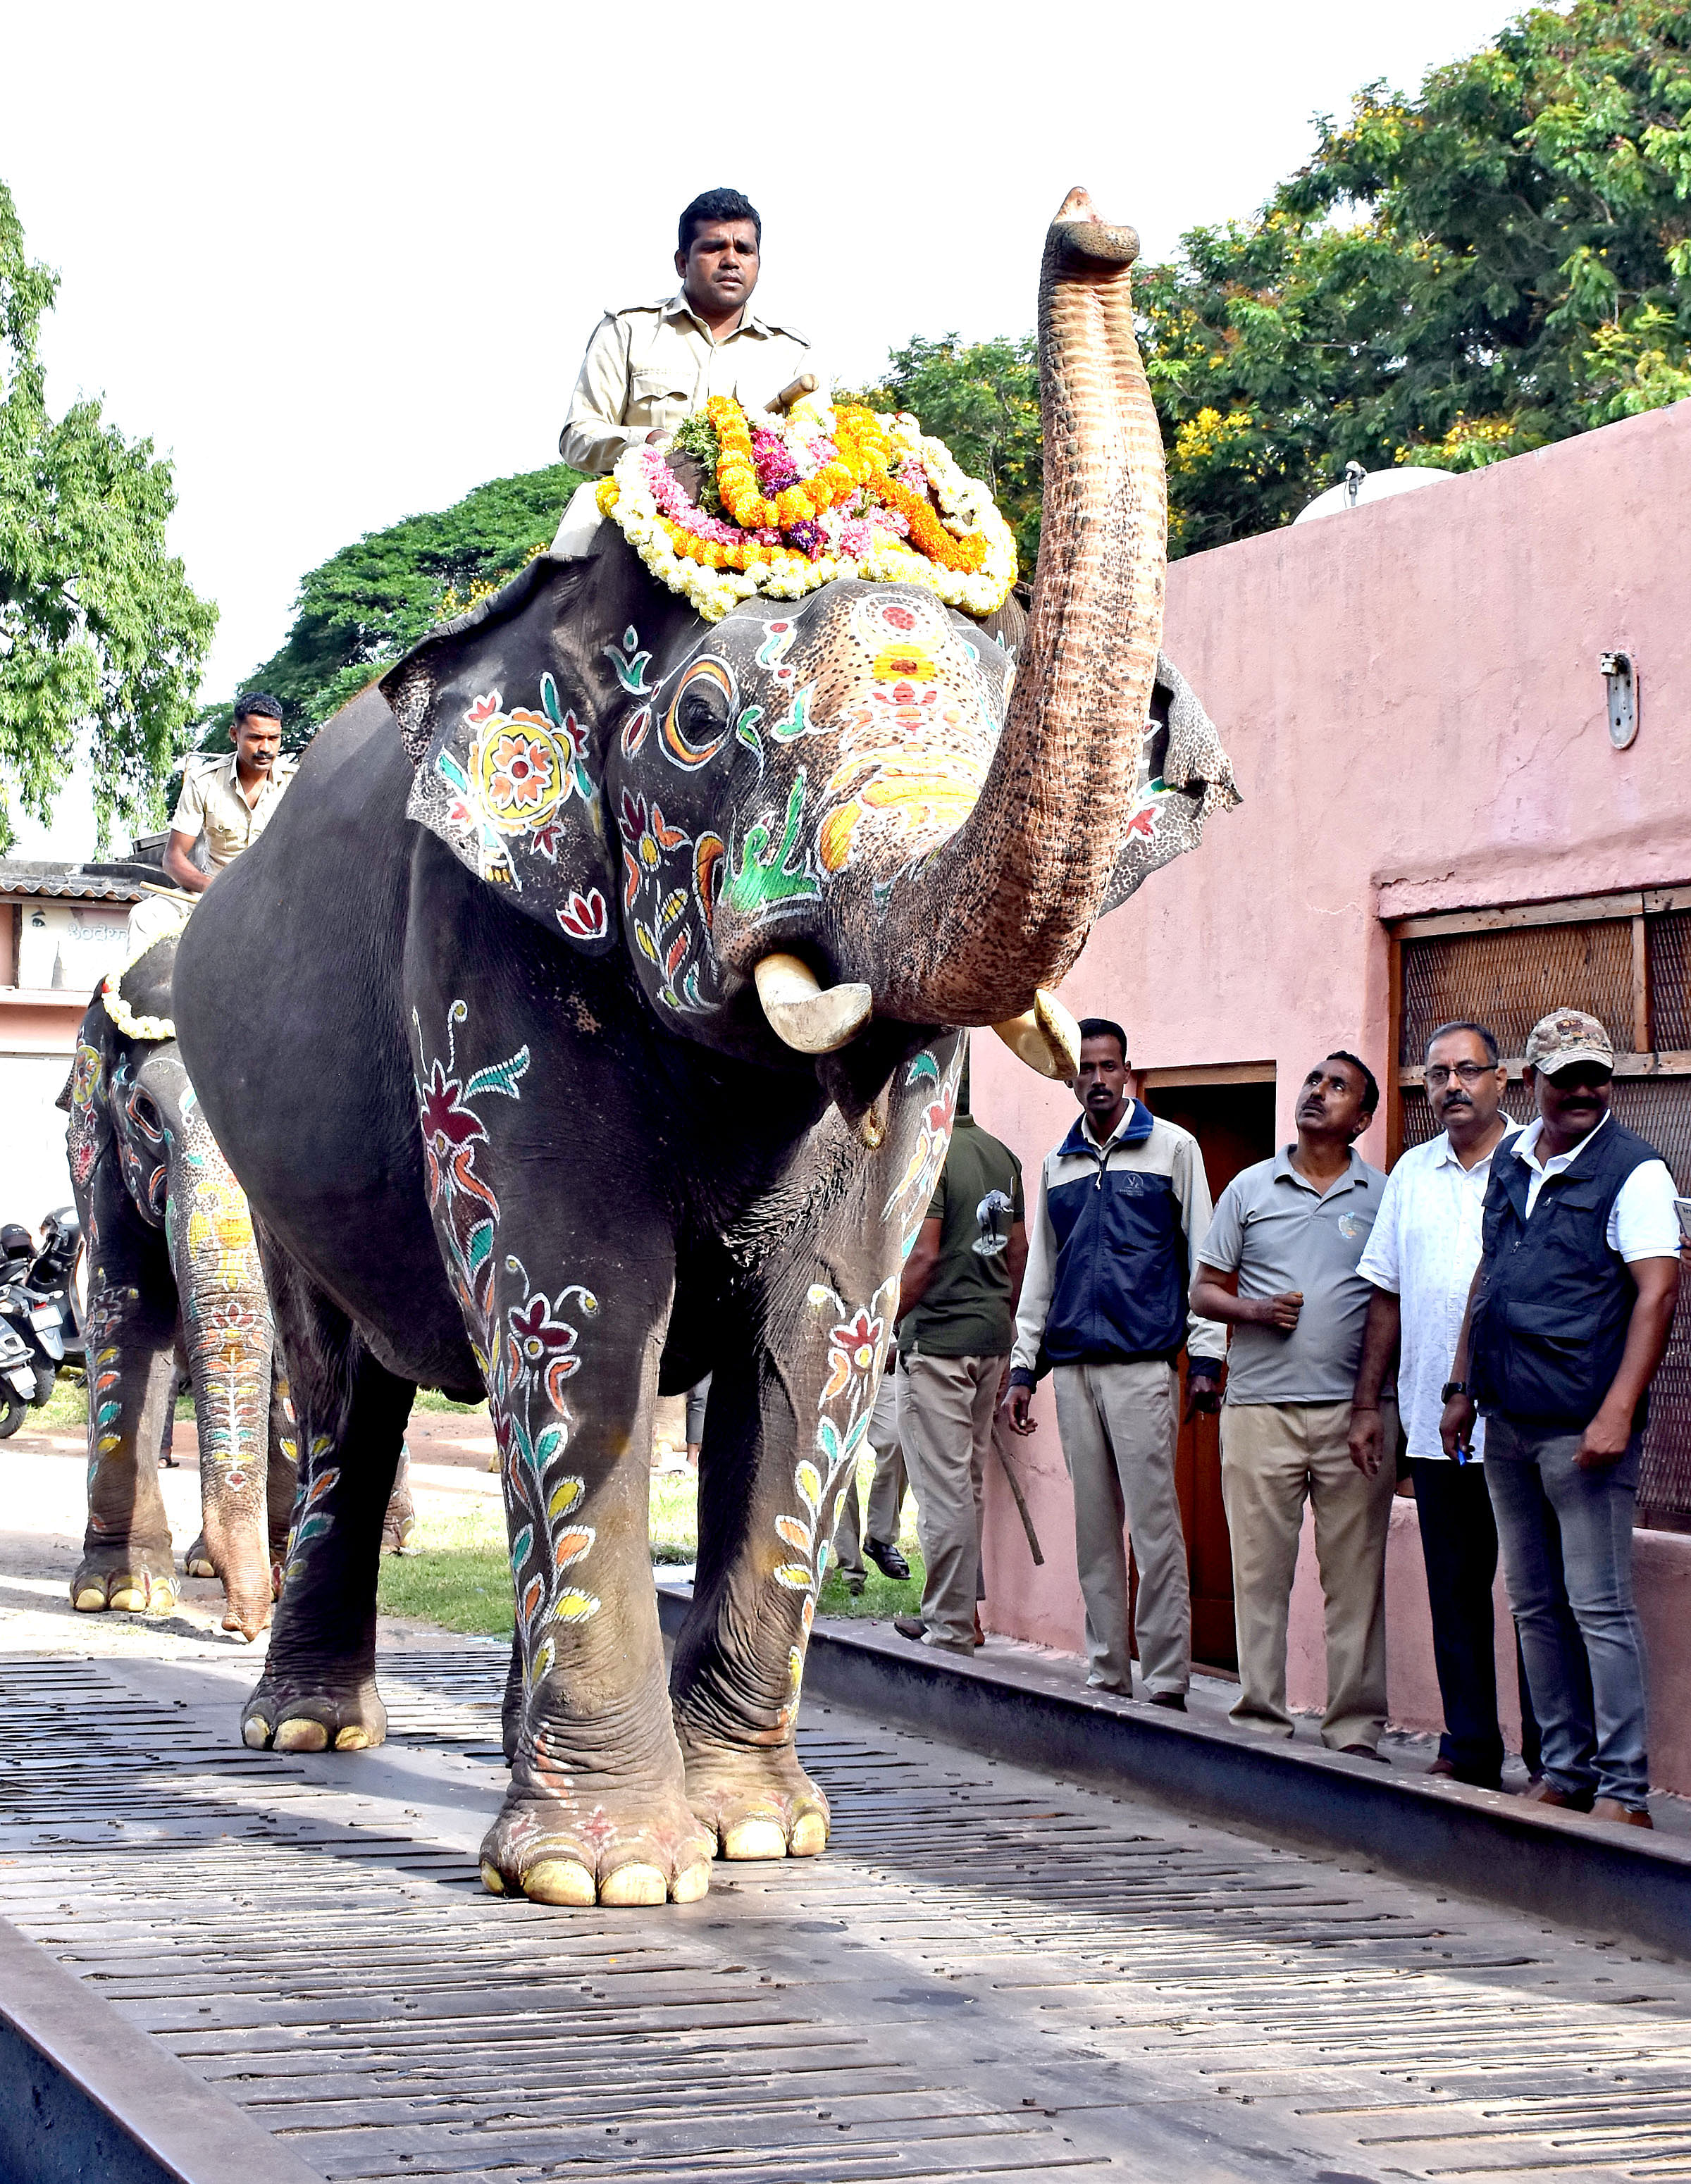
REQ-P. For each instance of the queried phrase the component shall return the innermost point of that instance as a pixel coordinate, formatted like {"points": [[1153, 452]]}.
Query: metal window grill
{"points": [[1669, 941], [1507, 980]]}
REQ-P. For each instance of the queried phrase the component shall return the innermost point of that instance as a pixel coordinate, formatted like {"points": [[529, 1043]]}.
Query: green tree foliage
{"points": [[982, 399], [1495, 264], [101, 638], [369, 602], [1498, 263]]}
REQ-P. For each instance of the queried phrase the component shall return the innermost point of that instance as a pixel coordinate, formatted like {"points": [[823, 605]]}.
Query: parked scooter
{"points": [[41, 1328]]}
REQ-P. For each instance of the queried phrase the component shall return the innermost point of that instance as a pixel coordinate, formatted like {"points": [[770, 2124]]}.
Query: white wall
{"points": [[34, 1177]]}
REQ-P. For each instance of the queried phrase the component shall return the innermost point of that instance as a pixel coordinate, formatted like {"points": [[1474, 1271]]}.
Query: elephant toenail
{"points": [[634, 1883], [757, 1836], [558, 1880], [301, 1736], [692, 1882]]}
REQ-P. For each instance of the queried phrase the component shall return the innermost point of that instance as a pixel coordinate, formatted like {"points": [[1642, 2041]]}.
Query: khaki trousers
{"points": [[1275, 1457], [947, 1421], [1117, 1424], [886, 1494]]}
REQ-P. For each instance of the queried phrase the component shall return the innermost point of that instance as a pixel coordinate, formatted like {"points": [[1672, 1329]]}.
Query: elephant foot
{"points": [[197, 1561], [619, 1846], [134, 1581], [399, 1525], [299, 1712], [756, 1799]]}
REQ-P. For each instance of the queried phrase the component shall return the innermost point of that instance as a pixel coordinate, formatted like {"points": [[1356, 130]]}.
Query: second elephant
{"points": [[172, 1268]]}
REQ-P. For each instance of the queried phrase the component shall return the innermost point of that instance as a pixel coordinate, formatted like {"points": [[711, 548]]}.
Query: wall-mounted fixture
{"points": [[1620, 674]]}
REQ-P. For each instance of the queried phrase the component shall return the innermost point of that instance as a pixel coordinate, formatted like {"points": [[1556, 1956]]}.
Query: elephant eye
{"points": [[702, 710]]}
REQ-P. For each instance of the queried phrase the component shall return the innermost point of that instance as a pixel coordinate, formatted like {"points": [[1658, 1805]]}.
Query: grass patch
{"points": [[430, 1399], [461, 1578]]}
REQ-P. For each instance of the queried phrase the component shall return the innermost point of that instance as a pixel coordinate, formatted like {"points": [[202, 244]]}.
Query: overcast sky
{"points": [[340, 261]]}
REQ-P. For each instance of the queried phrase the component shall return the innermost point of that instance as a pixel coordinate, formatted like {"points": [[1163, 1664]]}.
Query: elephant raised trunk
{"points": [[1004, 908]]}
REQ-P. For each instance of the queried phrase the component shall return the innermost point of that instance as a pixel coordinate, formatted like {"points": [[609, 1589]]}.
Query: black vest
{"points": [[1550, 1322]]}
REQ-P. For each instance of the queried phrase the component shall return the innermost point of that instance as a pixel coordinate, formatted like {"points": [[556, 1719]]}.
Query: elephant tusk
{"points": [[1045, 1037], [805, 1014]]}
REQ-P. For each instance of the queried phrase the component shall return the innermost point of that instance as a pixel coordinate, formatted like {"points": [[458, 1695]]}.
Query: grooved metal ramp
{"points": [[990, 1973]]}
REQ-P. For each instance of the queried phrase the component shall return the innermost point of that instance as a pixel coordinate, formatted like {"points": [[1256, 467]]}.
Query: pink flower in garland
{"points": [[776, 468]]}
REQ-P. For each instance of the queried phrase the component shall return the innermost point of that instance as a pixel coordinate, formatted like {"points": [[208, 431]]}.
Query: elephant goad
{"points": [[599, 1025], [173, 1272]]}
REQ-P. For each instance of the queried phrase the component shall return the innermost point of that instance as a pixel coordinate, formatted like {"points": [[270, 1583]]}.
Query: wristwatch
{"points": [[1454, 1388]]}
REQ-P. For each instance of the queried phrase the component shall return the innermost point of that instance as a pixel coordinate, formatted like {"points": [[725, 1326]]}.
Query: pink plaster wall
{"points": [[1410, 695]]}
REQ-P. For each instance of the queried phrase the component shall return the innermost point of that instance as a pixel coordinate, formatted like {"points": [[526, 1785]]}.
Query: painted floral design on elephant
{"points": [[855, 1354], [510, 783], [84, 1132], [105, 1405], [916, 742], [915, 1187], [525, 1343], [664, 876]]}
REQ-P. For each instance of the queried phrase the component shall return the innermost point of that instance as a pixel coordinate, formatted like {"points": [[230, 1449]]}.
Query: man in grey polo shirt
{"points": [[1279, 1264]]}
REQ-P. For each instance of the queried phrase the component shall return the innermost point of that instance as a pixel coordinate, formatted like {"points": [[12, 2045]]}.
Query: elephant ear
{"points": [[502, 732], [1184, 775]]}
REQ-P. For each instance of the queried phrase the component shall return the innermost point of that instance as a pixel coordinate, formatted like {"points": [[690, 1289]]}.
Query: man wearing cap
{"points": [[1568, 1319], [647, 366], [230, 800]]}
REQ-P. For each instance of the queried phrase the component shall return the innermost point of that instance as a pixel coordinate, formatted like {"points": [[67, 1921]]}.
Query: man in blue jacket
{"points": [[1124, 1204], [1568, 1319]]}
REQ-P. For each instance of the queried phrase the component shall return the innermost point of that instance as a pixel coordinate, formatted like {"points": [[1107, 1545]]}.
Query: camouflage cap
{"points": [[1568, 1036]]}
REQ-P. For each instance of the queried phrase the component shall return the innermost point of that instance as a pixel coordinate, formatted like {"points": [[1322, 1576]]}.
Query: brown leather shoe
{"points": [[1365, 1752], [1629, 1816], [1542, 1792], [1443, 1767]]}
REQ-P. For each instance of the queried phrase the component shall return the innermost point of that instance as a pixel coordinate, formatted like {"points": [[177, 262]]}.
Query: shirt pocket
{"points": [[656, 398]]}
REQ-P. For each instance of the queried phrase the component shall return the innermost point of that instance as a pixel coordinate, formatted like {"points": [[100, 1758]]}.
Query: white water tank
{"points": [[1361, 486]]}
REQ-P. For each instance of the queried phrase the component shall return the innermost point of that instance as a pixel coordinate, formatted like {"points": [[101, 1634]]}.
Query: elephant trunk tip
{"points": [[1085, 236]]}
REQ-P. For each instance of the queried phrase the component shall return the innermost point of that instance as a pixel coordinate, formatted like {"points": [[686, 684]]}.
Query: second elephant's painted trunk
{"points": [[226, 1329]]}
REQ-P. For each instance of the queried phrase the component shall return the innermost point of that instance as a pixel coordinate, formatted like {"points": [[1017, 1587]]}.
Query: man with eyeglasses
{"points": [[1568, 1319], [1421, 1259]]}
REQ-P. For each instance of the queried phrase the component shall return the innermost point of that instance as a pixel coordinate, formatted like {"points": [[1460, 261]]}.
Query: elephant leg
{"points": [[318, 1689], [788, 1417], [132, 1332], [768, 1499], [597, 1810]]}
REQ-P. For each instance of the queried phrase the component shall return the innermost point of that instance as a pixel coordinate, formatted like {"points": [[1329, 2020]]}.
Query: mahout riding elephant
{"points": [[173, 1273], [590, 1016]]}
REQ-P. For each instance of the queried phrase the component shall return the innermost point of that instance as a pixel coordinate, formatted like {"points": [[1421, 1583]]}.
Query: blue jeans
{"points": [[1575, 1600]]}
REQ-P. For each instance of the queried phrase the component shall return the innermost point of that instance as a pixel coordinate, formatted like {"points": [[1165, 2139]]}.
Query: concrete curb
{"points": [[1609, 1880], [85, 2096]]}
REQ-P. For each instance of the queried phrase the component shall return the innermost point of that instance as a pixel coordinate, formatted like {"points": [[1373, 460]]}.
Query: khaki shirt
{"points": [[647, 366], [211, 800]]}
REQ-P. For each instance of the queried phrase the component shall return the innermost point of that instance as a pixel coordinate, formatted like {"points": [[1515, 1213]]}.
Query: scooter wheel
{"points": [[12, 1413], [46, 1377]]}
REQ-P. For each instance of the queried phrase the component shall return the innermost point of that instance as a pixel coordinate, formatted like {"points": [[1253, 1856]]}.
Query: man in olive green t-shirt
{"points": [[957, 1321]]}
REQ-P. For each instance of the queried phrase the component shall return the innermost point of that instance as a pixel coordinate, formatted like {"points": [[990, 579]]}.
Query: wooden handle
{"points": [[796, 390]]}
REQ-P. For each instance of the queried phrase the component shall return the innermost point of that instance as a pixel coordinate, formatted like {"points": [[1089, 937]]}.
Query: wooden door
{"points": [[1234, 1126]]}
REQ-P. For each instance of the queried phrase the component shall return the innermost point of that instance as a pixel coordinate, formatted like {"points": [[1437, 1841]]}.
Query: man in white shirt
{"points": [[1420, 1258], [1568, 1320], [648, 366]]}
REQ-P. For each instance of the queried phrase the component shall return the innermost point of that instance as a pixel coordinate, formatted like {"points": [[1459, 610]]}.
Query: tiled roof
{"points": [[94, 882]]}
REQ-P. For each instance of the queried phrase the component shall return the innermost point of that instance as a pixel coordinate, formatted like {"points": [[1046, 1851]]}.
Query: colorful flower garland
{"points": [[818, 494]]}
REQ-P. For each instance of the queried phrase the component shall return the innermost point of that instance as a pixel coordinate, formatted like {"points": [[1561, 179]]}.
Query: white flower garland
{"points": [[966, 504], [134, 1027]]}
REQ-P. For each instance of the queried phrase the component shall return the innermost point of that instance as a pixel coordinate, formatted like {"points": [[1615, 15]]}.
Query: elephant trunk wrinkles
{"points": [[1004, 908]]}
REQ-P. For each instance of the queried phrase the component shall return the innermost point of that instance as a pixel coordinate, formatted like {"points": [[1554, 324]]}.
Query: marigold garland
{"points": [[820, 495]]}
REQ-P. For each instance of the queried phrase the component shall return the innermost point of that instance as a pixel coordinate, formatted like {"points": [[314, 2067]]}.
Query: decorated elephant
{"points": [[173, 1273], [590, 1017]]}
